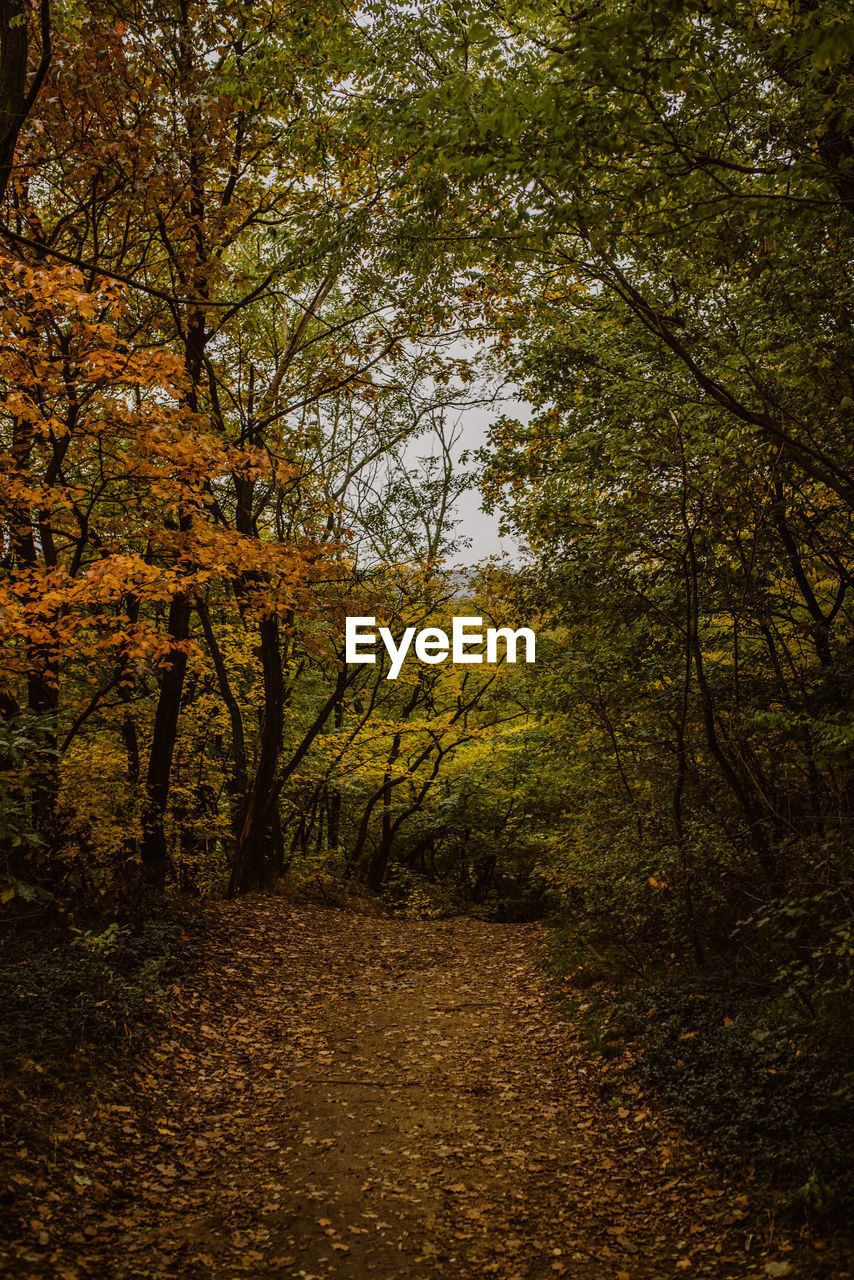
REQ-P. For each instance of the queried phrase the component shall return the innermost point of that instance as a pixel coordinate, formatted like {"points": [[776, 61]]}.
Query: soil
{"points": [[339, 1095]]}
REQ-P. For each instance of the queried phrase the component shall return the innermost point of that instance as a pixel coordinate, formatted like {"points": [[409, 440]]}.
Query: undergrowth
{"points": [[764, 1082], [76, 995]]}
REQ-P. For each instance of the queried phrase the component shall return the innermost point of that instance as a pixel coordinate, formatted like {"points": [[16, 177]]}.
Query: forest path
{"points": [[338, 1095]]}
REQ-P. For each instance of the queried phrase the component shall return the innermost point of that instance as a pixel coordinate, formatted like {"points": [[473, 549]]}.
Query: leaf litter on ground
{"points": [[342, 1095]]}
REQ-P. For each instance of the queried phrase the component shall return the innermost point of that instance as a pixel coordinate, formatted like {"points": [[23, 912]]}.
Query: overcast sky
{"points": [[474, 521], [473, 424]]}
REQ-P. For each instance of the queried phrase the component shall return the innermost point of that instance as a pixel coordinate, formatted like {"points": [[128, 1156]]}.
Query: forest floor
{"points": [[333, 1094]]}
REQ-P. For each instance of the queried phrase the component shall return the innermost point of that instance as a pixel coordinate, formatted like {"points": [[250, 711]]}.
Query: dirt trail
{"points": [[339, 1095]]}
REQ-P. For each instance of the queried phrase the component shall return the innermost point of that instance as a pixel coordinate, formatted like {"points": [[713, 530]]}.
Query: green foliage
{"points": [[666, 194], [25, 743], [61, 990], [26, 753], [752, 1078]]}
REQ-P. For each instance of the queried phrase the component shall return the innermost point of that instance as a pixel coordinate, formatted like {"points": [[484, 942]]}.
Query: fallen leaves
{"points": [[348, 1086]]}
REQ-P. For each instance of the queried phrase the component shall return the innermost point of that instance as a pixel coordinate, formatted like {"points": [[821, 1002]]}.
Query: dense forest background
{"points": [[257, 261]]}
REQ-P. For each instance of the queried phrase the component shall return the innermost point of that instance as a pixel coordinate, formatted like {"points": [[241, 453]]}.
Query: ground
{"points": [[340, 1095]]}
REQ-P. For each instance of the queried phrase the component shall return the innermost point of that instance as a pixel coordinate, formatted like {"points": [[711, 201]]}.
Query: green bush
{"points": [[60, 987], [750, 1075]]}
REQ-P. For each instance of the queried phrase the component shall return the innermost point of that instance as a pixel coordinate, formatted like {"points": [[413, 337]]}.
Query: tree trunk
{"points": [[154, 852], [250, 863], [238, 738], [15, 98]]}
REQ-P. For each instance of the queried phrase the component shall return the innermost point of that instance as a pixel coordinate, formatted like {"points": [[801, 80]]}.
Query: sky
{"points": [[472, 424], [474, 521]]}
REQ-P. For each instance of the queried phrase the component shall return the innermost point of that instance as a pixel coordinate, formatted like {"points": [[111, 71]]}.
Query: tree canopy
{"points": [[257, 263]]}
